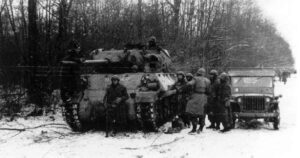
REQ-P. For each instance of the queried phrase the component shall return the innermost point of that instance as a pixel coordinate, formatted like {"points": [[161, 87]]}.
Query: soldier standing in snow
{"points": [[180, 95], [223, 96], [114, 98], [212, 99], [189, 77], [196, 105]]}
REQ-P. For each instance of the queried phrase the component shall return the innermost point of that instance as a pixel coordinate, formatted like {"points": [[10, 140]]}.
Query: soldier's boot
{"points": [[114, 128], [212, 126], [193, 130], [226, 129], [211, 120], [217, 126], [194, 124], [200, 129]]}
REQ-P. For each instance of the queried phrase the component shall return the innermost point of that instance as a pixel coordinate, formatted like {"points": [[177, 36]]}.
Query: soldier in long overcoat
{"points": [[114, 99], [196, 105]]}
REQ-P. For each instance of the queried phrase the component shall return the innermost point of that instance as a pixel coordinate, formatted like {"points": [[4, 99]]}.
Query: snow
{"points": [[60, 142]]}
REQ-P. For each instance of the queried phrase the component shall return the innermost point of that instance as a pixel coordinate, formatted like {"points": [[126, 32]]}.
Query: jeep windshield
{"points": [[252, 81]]}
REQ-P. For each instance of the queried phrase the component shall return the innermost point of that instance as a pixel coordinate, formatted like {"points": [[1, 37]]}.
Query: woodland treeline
{"points": [[209, 33], [198, 32]]}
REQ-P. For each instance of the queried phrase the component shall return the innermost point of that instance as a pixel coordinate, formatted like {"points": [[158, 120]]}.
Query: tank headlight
{"points": [[239, 100], [268, 100]]}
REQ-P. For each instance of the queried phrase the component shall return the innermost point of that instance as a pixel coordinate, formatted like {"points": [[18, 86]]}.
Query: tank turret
{"points": [[133, 58]]}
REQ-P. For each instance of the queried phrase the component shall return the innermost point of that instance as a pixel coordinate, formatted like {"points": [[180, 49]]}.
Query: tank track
{"points": [[147, 115], [70, 113]]}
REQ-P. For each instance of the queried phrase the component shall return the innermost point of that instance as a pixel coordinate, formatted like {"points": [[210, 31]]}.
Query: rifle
{"points": [[106, 117]]}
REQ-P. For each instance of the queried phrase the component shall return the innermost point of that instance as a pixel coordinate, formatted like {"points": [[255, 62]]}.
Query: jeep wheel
{"points": [[233, 122], [276, 122]]}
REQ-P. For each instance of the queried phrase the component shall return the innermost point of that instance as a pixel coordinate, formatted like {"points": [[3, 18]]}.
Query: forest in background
{"points": [[209, 33]]}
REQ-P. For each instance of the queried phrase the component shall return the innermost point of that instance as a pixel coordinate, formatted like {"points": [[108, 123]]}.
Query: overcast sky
{"points": [[286, 16]]}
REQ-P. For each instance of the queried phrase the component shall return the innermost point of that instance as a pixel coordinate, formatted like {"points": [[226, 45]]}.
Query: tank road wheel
{"points": [[147, 116], [153, 116], [71, 116]]}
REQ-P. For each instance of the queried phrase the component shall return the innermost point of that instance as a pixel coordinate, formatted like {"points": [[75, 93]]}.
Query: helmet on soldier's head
{"points": [[152, 39], [115, 77], [180, 73], [189, 75], [213, 72], [73, 44], [135, 68], [223, 76], [201, 71]]}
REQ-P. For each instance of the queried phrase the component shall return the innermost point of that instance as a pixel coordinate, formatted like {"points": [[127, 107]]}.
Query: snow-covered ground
{"points": [[59, 141]]}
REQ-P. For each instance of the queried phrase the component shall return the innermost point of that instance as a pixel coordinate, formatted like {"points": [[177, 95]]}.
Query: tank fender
{"points": [[146, 97]]}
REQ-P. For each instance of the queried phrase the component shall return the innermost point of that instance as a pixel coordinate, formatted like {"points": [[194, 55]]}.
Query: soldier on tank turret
{"points": [[73, 52], [114, 100], [152, 44]]}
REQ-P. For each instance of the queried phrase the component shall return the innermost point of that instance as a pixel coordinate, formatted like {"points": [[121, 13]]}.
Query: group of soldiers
{"points": [[198, 96]]}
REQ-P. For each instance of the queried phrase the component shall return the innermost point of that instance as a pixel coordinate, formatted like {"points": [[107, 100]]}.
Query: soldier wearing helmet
{"points": [[196, 105], [180, 97], [73, 52], [114, 98], [223, 99], [211, 109], [152, 44], [189, 77], [71, 82]]}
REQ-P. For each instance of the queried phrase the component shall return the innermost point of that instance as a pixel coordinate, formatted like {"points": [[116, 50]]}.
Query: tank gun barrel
{"points": [[100, 61], [68, 62]]}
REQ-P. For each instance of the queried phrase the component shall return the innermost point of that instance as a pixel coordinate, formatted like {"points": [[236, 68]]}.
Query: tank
{"points": [[146, 73]]}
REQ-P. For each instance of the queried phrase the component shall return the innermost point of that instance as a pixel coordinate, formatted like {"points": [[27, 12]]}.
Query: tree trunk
{"points": [[176, 8], [140, 25], [33, 90]]}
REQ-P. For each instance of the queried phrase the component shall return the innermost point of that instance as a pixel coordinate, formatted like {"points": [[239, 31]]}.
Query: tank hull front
{"points": [[87, 111]]}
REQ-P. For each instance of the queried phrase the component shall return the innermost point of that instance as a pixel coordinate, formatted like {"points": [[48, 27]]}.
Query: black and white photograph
{"points": [[149, 78]]}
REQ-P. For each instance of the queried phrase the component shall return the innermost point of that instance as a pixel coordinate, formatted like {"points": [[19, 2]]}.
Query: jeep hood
{"points": [[252, 91]]}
